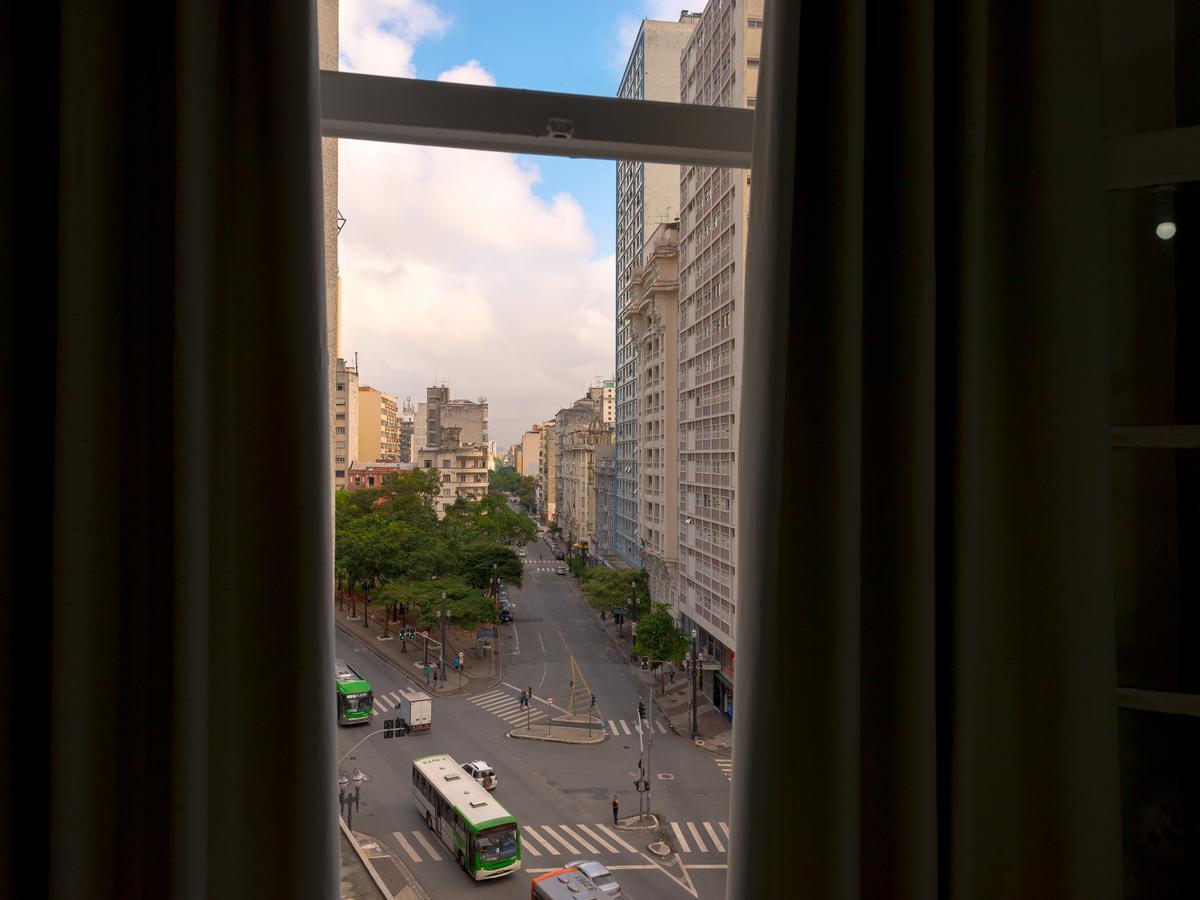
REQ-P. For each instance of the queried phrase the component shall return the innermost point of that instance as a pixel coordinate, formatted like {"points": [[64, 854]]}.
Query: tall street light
{"points": [[442, 649], [694, 673]]}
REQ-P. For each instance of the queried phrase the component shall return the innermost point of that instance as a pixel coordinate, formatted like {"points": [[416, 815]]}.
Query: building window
{"points": [[341, 429], [340, 460], [754, 23], [339, 473], [752, 63], [428, 463]]}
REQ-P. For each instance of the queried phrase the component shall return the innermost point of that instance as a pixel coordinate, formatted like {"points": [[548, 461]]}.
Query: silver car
{"points": [[600, 876]]}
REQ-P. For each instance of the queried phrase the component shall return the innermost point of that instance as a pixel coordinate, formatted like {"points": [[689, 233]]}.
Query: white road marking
{"points": [[724, 828], [599, 840], [612, 834], [612, 727], [700, 845], [403, 842], [662, 728], [554, 834], [437, 857], [379, 705], [586, 846], [683, 844], [525, 845], [550, 848], [626, 727], [712, 834]]}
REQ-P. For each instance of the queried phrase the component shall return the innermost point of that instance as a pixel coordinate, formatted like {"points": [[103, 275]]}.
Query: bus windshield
{"points": [[356, 702], [497, 843]]}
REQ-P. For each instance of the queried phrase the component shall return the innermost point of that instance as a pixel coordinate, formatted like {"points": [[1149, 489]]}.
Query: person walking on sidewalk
{"points": [[616, 804]]}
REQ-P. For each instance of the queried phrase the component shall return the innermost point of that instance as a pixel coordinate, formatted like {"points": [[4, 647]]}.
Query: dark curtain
{"points": [[166, 634], [926, 701]]}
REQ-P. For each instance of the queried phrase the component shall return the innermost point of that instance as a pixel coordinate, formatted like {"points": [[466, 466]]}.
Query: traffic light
{"points": [[593, 699], [387, 728], [645, 662], [641, 711]]}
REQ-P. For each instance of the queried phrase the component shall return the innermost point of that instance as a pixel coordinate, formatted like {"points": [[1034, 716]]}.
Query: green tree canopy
{"points": [[476, 559], [658, 637], [488, 519], [604, 588]]}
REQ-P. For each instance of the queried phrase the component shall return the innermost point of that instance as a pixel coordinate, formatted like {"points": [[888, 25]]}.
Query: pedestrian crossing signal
{"points": [[645, 662], [387, 728]]}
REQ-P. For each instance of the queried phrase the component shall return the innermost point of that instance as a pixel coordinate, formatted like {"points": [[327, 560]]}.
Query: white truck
{"points": [[416, 710]]}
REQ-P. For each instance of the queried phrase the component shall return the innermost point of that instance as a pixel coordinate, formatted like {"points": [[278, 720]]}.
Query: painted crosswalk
{"points": [[541, 565], [505, 705], [558, 839], [726, 766], [621, 727], [385, 702]]}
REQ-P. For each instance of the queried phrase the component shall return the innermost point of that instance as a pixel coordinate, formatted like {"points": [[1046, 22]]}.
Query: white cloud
{"points": [[470, 72], [454, 268], [377, 37]]}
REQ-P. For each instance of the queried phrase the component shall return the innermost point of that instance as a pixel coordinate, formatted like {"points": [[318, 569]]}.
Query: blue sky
{"points": [[521, 248]]}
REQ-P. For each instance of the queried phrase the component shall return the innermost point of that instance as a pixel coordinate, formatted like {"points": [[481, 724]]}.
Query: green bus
{"points": [[476, 829], [354, 697]]}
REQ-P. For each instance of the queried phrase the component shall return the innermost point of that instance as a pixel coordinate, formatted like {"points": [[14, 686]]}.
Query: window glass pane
{"points": [[1151, 56], [1160, 805], [1156, 559], [1153, 282]]}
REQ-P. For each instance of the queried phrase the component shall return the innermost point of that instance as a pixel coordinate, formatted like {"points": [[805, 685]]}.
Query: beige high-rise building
{"points": [[547, 471], [647, 193], [531, 442], [463, 468], [654, 331], [408, 414], [577, 504], [345, 420], [719, 67], [605, 393], [378, 426], [439, 411]]}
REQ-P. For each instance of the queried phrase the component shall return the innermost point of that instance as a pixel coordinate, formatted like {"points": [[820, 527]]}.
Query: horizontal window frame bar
{"points": [[1149, 158], [1154, 437], [475, 117], [1168, 702]]}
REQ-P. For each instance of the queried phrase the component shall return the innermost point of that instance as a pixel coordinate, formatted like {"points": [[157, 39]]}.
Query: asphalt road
{"points": [[559, 793]]}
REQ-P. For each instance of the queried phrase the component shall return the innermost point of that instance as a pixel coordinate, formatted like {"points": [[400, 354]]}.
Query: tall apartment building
{"points": [[531, 442], [719, 67], [463, 468], [547, 471], [647, 193], [568, 422], [605, 393], [439, 411], [378, 426], [407, 420], [605, 498], [345, 420], [577, 496], [654, 331]]}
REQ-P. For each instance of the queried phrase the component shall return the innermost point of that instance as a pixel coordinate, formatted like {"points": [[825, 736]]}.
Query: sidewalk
{"points": [[369, 871], [675, 705], [475, 674]]}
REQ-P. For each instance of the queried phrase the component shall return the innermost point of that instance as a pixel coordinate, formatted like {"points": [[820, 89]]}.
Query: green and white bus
{"points": [[354, 697], [477, 830]]}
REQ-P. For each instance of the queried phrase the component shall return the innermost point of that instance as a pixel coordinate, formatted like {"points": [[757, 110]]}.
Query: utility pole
{"points": [[442, 648], [695, 670]]}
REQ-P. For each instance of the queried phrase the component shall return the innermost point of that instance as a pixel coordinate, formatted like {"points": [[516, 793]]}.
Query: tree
{"points": [[659, 638], [504, 480], [490, 519], [476, 561]]}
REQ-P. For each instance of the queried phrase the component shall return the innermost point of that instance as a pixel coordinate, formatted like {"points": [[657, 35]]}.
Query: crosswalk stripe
{"points": [[662, 728], [496, 703], [626, 727], [395, 696], [403, 842], [550, 848], [612, 834], [489, 695], [378, 704], [554, 834], [374, 712], [724, 828], [700, 845], [712, 833], [683, 844], [586, 846], [434, 855], [599, 840], [526, 846], [612, 727]]}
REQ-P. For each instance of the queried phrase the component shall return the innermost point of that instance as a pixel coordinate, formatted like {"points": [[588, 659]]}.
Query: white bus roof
{"points": [[460, 789], [344, 673]]}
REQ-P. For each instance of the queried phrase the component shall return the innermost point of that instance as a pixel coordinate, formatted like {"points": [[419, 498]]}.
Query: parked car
{"points": [[506, 614], [521, 551], [482, 773], [560, 570], [558, 554], [600, 875]]}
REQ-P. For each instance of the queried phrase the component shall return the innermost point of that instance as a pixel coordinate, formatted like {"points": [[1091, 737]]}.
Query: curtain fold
{"points": [[925, 623], [183, 658]]}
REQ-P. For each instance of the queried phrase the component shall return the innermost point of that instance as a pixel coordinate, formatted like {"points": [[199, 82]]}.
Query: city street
{"points": [[559, 793]]}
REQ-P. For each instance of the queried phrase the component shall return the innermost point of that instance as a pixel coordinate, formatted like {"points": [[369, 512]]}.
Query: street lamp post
{"points": [[442, 649], [695, 671], [366, 605]]}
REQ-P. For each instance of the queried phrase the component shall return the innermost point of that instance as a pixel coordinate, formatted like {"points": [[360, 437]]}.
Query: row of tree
{"points": [[507, 480], [657, 637], [390, 545]]}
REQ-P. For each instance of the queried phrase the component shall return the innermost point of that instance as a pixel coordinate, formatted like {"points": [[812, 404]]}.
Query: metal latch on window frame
{"points": [[559, 127]]}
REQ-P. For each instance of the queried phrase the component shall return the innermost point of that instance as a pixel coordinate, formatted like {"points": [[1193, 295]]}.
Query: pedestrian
{"points": [[435, 674], [427, 673], [671, 676], [616, 808]]}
